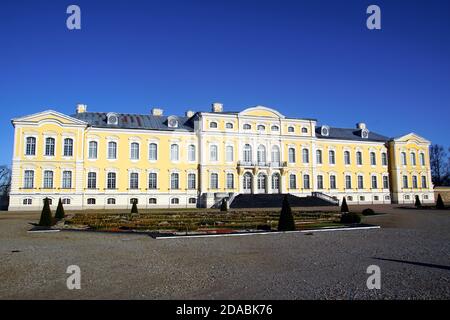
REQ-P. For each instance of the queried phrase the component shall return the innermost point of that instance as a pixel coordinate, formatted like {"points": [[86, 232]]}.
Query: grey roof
{"points": [[135, 121], [350, 134]]}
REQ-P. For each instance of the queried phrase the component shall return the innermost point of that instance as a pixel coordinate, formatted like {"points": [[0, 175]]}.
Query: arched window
{"points": [[332, 182], [92, 150], [134, 180], [191, 181], [374, 182], [373, 159], [192, 200], [413, 158], [174, 201], [229, 125], [111, 180], [68, 147], [91, 201], [152, 201], [28, 182], [214, 181], [247, 182], [292, 181], [331, 157], [247, 126], [346, 157], [304, 130], [261, 154], [262, 180], [276, 158], [66, 179], [134, 151], [48, 179], [213, 153], [306, 184], [319, 182], [49, 146], [174, 152], [111, 201], [422, 159], [134, 200], [403, 156], [319, 156], [229, 154], [213, 125], [348, 182], [247, 153], [261, 127], [191, 152], [275, 182], [414, 182], [305, 154], [152, 181], [291, 129], [30, 149], [359, 158], [275, 128], [230, 181], [153, 151], [92, 180], [174, 181], [112, 150], [291, 155]]}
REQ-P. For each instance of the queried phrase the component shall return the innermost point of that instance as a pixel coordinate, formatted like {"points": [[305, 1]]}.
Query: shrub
{"points": [[264, 227], [134, 209], [59, 211], [350, 217], [368, 212], [344, 206], [286, 222], [439, 202], [417, 203], [223, 205], [46, 214]]}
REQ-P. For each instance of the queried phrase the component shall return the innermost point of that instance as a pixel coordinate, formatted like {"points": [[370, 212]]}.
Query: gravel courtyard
{"points": [[412, 249]]}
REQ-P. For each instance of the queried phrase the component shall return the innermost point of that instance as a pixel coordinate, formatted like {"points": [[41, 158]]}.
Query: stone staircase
{"points": [[242, 201]]}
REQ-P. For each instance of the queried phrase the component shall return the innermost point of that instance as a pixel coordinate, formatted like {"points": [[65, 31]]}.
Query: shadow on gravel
{"points": [[423, 264]]}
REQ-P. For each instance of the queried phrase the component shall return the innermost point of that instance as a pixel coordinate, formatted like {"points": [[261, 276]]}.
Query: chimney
{"points": [[361, 125], [189, 113], [217, 107], [81, 108], [157, 112]]}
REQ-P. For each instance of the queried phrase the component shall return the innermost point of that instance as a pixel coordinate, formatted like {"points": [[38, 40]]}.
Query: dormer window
{"points": [[112, 118], [325, 131], [172, 122], [364, 133], [213, 125]]}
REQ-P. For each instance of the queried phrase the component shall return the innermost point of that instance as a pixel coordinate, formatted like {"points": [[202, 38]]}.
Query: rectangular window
{"points": [[306, 181], [174, 181], [28, 182], [92, 180], [405, 182], [229, 154], [346, 157], [48, 179], [153, 151], [305, 155], [213, 153], [152, 181], [319, 156], [30, 149], [373, 159], [422, 159], [384, 159], [174, 154], [191, 181], [92, 150], [424, 182], [191, 152], [292, 181], [359, 158], [230, 181], [414, 182], [291, 155], [67, 180], [134, 151]]}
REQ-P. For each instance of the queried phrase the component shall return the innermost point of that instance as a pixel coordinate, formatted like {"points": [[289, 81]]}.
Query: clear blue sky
{"points": [[305, 58]]}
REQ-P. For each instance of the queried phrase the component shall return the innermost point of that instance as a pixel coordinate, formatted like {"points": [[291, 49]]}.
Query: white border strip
{"points": [[260, 233], [43, 231]]}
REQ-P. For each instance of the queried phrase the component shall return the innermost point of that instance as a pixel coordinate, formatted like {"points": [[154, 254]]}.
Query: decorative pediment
{"points": [[411, 138], [261, 111], [49, 116]]}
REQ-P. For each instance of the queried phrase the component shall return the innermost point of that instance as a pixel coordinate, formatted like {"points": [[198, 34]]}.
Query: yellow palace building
{"points": [[94, 160]]}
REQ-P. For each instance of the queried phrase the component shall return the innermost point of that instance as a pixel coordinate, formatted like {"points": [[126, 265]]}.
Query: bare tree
{"points": [[5, 180], [438, 165]]}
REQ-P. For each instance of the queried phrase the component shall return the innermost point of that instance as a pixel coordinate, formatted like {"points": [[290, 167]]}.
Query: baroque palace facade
{"points": [[108, 160]]}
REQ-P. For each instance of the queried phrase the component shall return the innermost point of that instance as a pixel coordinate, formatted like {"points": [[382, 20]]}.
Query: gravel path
{"points": [[412, 249]]}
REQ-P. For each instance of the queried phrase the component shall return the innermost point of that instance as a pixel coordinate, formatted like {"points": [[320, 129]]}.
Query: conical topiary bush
{"points": [[46, 214], [134, 209], [439, 202], [417, 203], [223, 205], [286, 222], [59, 211], [344, 206]]}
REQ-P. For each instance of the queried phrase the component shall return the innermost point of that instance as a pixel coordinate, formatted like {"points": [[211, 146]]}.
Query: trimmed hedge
{"points": [[368, 212], [350, 217]]}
